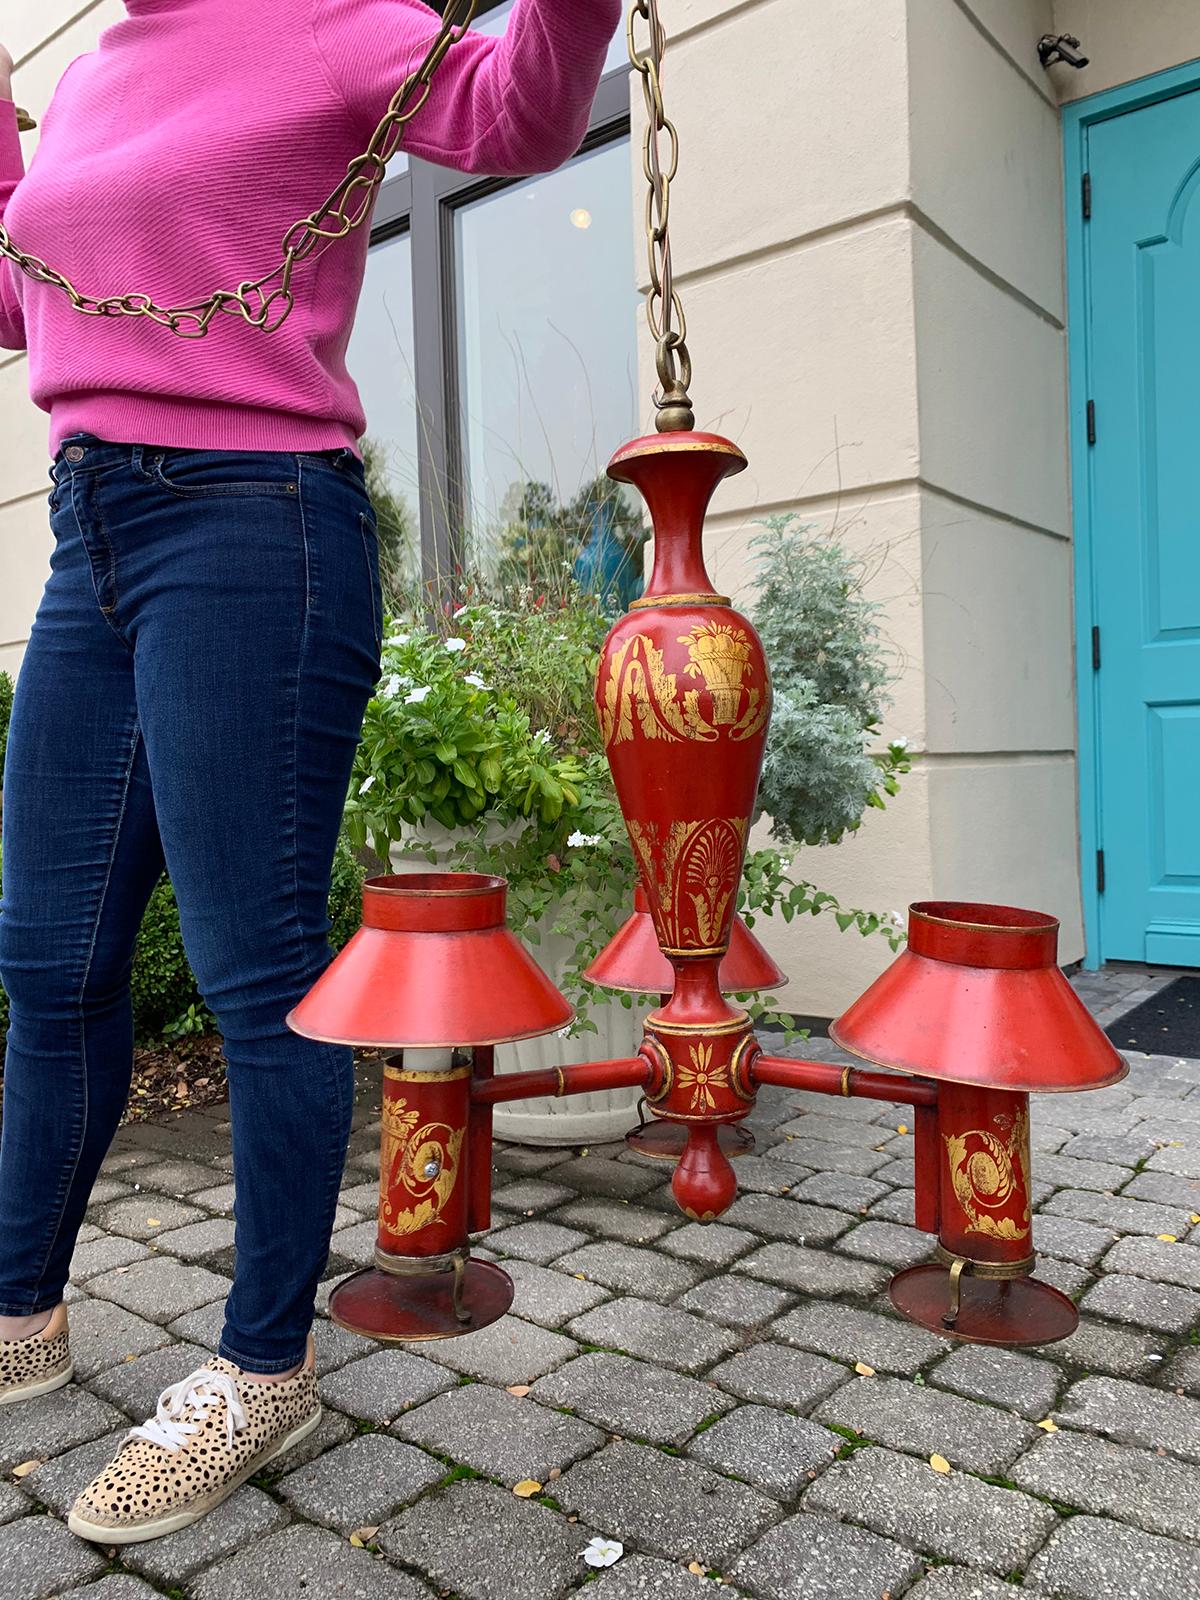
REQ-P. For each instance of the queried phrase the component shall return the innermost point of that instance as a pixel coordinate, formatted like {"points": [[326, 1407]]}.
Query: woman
{"points": [[207, 642]]}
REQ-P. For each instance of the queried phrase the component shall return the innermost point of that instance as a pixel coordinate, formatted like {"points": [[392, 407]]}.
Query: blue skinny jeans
{"points": [[191, 696]]}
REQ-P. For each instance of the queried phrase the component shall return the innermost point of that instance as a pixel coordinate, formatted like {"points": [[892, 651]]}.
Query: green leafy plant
{"points": [[195, 1022], [164, 987], [438, 742]]}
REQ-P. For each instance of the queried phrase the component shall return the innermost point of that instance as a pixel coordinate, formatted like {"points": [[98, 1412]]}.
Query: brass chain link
{"points": [[664, 308], [265, 302], [347, 208]]}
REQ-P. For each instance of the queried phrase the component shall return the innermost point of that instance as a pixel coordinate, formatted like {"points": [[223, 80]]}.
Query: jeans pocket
{"points": [[370, 542], [216, 474]]}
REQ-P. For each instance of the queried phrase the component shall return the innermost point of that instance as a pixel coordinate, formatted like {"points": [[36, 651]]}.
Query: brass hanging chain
{"points": [[664, 309], [265, 302]]}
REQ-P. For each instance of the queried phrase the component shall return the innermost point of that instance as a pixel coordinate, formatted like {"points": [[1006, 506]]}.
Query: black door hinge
{"points": [[1096, 649], [1099, 871], [1091, 422], [1087, 197]]}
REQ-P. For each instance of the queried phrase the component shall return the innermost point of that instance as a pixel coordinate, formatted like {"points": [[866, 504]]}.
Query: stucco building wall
{"points": [[874, 283]]}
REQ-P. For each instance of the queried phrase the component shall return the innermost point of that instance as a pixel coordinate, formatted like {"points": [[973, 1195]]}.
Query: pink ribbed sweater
{"points": [[174, 156]]}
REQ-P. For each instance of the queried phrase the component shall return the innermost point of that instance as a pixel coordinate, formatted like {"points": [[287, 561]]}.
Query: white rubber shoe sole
{"points": [[30, 1391], [98, 1533]]}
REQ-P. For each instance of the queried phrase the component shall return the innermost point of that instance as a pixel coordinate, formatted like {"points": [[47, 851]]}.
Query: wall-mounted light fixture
{"points": [[1062, 47]]}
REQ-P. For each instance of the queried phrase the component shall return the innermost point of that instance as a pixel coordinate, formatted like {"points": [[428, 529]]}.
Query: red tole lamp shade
{"points": [[632, 960], [432, 966], [978, 997]]}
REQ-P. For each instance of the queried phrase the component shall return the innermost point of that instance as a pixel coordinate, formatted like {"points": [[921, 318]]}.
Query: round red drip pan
{"points": [[1013, 1311]]}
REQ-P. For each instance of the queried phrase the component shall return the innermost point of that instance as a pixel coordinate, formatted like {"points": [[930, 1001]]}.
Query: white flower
{"points": [[455, 645], [542, 736], [578, 839], [603, 1552], [416, 697], [899, 744], [391, 688], [897, 920], [367, 783], [400, 638], [475, 680]]}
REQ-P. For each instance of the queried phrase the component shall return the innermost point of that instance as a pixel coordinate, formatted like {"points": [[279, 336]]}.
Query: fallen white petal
{"points": [[603, 1552]]}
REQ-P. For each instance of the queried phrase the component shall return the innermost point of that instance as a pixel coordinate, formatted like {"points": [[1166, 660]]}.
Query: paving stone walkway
{"points": [[696, 1393]]}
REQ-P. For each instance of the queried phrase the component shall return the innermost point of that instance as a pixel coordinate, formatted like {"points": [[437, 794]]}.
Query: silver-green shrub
{"points": [[830, 667]]}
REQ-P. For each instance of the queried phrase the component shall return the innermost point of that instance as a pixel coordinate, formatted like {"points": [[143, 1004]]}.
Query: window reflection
{"points": [[547, 329], [381, 361]]}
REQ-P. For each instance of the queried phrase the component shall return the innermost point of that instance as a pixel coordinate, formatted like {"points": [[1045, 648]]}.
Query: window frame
{"points": [[422, 201]]}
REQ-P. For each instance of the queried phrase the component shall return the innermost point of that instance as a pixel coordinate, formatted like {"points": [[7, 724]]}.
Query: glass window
{"points": [[547, 357], [496, 20], [381, 361]]}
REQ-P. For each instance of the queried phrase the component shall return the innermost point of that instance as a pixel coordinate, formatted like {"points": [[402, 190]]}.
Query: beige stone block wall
{"points": [[905, 256], [997, 607], [1014, 28], [984, 139], [991, 819], [1124, 41], [991, 358]]}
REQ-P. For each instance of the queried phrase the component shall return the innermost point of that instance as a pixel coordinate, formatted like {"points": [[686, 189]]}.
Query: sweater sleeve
{"points": [[514, 105], [12, 170]]}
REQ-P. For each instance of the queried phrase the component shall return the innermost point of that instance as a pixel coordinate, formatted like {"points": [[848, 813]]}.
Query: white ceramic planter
{"points": [[574, 1119]]}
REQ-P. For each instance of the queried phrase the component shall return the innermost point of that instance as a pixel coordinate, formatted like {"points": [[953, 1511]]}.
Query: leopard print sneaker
{"points": [[212, 1431], [38, 1364]]}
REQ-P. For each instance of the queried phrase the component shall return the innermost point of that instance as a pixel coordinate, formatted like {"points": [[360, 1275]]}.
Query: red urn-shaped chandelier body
{"points": [[684, 699]]}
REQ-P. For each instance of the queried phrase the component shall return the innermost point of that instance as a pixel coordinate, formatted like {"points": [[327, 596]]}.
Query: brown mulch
{"points": [[172, 1076]]}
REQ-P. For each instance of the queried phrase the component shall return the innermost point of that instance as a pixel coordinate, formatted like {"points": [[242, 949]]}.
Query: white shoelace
{"points": [[183, 1410]]}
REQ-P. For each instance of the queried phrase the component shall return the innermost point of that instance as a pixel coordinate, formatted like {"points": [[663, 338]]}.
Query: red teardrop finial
{"points": [[704, 1184]]}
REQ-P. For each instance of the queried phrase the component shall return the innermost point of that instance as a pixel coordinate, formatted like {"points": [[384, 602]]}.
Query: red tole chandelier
{"points": [[970, 1020]]}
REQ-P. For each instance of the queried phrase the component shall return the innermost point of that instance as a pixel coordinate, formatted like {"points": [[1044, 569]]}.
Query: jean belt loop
{"points": [[135, 459]]}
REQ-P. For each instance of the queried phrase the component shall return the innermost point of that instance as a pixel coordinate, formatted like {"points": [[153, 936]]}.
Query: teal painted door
{"points": [[1143, 254]]}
